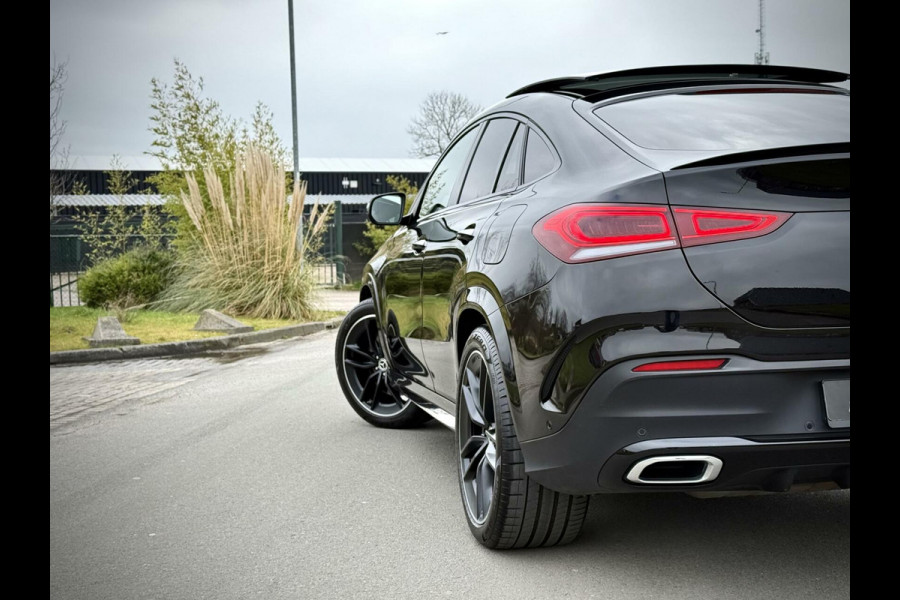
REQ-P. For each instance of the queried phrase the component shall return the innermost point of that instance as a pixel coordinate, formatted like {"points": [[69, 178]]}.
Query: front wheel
{"points": [[365, 374], [504, 507]]}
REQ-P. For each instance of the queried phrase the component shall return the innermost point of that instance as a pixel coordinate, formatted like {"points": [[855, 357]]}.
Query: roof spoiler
{"points": [[619, 82], [730, 158]]}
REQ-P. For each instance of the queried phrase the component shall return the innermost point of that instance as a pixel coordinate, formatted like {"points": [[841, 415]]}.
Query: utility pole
{"points": [[296, 180], [762, 57]]}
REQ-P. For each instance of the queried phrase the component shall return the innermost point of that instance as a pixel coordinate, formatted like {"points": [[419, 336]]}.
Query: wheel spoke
{"points": [[379, 379], [484, 484], [491, 455], [368, 392], [371, 336], [473, 451], [473, 379], [471, 397], [360, 365], [360, 352], [393, 391]]}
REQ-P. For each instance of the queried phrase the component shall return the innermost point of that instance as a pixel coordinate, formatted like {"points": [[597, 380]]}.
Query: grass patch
{"points": [[69, 325], [353, 286]]}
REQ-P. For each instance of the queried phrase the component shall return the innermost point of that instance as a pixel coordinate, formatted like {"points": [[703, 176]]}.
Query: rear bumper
{"points": [[745, 464], [765, 422]]}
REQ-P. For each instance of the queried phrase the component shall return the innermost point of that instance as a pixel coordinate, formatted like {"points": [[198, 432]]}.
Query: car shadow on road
{"points": [[726, 543]]}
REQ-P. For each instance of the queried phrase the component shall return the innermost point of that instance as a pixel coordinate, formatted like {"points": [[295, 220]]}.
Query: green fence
{"points": [[67, 262], [329, 268], [69, 259]]}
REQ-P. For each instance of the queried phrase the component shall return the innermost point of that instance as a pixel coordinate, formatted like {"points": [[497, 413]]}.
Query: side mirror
{"points": [[387, 209]]}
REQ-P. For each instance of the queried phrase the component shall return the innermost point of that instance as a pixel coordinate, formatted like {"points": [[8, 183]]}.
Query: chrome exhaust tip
{"points": [[675, 470]]}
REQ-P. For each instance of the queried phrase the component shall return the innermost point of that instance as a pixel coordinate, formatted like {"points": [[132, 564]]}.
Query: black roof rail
{"points": [[617, 83]]}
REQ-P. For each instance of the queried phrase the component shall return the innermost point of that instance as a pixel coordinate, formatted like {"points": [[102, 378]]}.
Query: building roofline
{"points": [[307, 165], [99, 200]]}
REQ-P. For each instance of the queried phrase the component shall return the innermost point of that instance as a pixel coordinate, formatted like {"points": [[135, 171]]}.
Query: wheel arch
{"points": [[481, 308]]}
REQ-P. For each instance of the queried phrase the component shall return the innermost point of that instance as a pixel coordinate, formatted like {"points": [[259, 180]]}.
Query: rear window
{"points": [[731, 121]]}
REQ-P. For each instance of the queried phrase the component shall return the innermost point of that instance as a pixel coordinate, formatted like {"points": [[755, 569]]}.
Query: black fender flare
{"points": [[481, 299]]}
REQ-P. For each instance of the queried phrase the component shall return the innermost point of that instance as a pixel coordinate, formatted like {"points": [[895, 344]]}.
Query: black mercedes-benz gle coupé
{"points": [[625, 282]]}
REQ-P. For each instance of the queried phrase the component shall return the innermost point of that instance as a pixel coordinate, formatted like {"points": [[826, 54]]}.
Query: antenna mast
{"points": [[762, 57]]}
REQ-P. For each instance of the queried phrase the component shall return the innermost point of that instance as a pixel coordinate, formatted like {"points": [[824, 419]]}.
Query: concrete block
{"points": [[213, 320], [108, 333]]}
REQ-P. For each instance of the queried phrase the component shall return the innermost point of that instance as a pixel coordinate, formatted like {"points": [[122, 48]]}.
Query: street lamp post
{"points": [[294, 112]]}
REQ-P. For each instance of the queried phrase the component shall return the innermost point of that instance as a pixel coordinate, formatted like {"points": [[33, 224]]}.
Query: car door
{"points": [[449, 239], [400, 306], [401, 271]]}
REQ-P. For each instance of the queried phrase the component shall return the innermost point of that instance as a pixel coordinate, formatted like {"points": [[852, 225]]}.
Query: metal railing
{"points": [[69, 260], [67, 263]]}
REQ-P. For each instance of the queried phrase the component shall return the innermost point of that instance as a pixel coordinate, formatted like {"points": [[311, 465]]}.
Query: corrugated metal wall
{"points": [[317, 183], [367, 183], [96, 181]]}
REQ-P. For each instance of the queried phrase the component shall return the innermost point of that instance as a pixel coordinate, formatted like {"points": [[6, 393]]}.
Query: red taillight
{"points": [[586, 232], [703, 226], [682, 365]]}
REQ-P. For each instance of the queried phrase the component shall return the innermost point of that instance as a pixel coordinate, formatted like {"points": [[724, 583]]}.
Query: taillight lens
{"points": [[584, 232], [587, 232], [701, 226]]}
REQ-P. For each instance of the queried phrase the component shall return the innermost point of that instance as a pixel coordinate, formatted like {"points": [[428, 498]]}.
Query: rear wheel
{"points": [[364, 371], [504, 507]]}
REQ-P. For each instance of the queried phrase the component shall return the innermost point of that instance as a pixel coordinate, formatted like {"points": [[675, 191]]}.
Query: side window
{"points": [[445, 175], [539, 159], [509, 173], [488, 156]]}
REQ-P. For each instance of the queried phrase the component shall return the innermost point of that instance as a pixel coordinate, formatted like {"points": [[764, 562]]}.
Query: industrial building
{"points": [[347, 182]]}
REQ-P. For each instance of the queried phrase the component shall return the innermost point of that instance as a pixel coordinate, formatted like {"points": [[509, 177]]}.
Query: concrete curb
{"points": [[190, 346]]}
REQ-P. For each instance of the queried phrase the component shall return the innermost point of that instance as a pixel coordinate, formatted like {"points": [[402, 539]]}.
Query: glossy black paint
{"points": [[798, 276], [561, 329]]}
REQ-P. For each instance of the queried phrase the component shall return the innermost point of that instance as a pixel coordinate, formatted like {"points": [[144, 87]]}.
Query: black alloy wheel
{"points": [[366, 375], [504, 507], [477, 430]]}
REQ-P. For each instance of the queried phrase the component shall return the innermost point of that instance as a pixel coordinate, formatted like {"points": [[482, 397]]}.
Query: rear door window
{"points": [[487, 159]]}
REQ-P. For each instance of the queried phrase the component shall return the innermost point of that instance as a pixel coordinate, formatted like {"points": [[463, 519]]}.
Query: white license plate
{"points": [[837, 402]]}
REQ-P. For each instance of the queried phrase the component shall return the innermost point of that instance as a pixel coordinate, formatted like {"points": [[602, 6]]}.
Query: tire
{"points": [[504, 507], [365, 375]]}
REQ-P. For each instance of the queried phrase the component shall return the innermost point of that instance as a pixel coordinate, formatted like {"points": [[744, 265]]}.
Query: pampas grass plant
{"points": [[245, 258]]}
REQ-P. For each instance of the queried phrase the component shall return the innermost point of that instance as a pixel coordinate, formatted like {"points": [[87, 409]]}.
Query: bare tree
{"points": [[441, 116], [58, 75]]}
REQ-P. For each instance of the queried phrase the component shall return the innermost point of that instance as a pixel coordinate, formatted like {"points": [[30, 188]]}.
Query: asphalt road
{"points": [[248, 476]]}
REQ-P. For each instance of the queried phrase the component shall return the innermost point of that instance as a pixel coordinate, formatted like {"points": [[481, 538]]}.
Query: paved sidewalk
{"points": [[81, 394]]}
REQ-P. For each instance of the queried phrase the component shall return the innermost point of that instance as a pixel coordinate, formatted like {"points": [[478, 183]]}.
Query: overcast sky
{"points": [[364, 66]]}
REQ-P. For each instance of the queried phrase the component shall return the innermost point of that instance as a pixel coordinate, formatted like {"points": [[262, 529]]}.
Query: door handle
{"points": [[467, 234], [418, 246]]}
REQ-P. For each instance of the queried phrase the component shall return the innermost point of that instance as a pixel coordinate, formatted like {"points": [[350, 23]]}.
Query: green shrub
{"points": [[132, 279]]}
